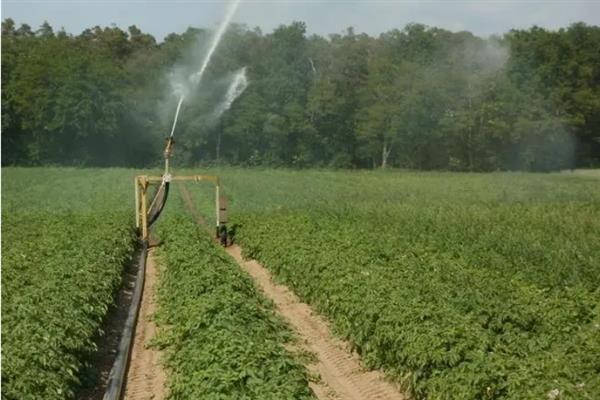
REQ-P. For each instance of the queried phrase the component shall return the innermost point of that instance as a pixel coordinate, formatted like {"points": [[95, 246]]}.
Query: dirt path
{"points": [[342, 376], [145, 376]]}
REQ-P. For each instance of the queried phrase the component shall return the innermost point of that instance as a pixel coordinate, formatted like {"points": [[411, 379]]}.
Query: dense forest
{"points": [[420, 97]]}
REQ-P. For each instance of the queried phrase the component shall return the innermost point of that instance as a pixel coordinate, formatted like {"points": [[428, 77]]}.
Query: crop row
{"points": [[478, 301], [59, 275], [221, 338], [66, 235]]}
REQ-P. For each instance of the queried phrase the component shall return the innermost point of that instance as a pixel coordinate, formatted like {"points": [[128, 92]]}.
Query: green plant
{"points": [[221, 338]]}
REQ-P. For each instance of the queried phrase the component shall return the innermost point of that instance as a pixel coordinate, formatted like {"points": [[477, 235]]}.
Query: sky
{"points": [[161, 17]]}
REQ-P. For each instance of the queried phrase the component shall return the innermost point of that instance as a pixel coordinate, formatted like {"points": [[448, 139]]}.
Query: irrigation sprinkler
{"points": [[146, 213], [151, 194]]}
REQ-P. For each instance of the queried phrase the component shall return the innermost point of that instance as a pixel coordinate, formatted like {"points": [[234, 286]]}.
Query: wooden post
{"points": [[137, 203], [144, 212], [222, 211], [217, 202]]}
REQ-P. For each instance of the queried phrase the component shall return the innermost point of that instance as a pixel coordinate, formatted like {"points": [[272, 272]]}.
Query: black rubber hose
{"points": [[154, 216], [114, 386]]}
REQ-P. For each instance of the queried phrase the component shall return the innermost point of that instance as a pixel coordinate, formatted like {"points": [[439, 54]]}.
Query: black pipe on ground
{"points": [[116, 379], [155, 212]]}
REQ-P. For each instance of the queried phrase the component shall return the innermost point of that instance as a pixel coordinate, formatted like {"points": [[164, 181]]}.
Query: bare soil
{"points": [[339, 370], [146, 378]]}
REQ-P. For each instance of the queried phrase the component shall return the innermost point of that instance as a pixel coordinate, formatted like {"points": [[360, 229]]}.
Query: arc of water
{"points": [[236, 88], [197, 77], [176, 114]]}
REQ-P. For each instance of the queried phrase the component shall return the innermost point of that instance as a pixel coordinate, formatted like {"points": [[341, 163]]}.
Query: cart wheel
{"points": [[223, 235]]}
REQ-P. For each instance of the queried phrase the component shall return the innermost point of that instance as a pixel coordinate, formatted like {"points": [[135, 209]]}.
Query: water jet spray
{"points": [[195, 79], [236, 88], [147, 214]]}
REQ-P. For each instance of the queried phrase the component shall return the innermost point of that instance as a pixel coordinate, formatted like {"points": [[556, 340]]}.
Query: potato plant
{"points": [[481, 286], [460, 286], [221, 338], [64, 244], [59, 274], [452, 312]]}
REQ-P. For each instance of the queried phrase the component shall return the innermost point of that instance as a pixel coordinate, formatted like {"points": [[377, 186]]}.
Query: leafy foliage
{"points": [[63, 249], [479, 286], [459, 286], [420, 97], [221, 337]]}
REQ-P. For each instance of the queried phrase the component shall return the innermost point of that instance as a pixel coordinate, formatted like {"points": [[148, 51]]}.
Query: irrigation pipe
{"points": [[116, 379]]}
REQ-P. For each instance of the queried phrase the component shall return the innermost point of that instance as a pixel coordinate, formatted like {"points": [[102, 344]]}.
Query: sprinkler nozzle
{"points": [[169, 147]]}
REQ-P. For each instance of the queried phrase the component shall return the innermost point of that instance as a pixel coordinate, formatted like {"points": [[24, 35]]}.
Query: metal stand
{"points": [[144, 182]]}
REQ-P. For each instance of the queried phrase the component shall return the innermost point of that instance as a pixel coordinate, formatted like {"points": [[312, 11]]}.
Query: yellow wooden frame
{"points": [[143, 182]]}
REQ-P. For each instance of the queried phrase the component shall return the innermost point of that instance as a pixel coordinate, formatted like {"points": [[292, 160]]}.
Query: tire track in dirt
{"points": [[340, 372], [146, 379]]}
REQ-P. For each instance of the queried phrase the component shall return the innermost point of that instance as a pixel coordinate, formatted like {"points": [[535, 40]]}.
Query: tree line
{"points": [[421, 97]]}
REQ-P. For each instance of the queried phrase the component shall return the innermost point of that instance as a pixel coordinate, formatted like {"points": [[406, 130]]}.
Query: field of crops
{"points": [[460, 286], [66, 235], [482, 286], [222, 338]]}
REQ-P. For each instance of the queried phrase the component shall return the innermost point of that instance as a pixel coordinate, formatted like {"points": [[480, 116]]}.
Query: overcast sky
{"points": [[160, 17]]}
